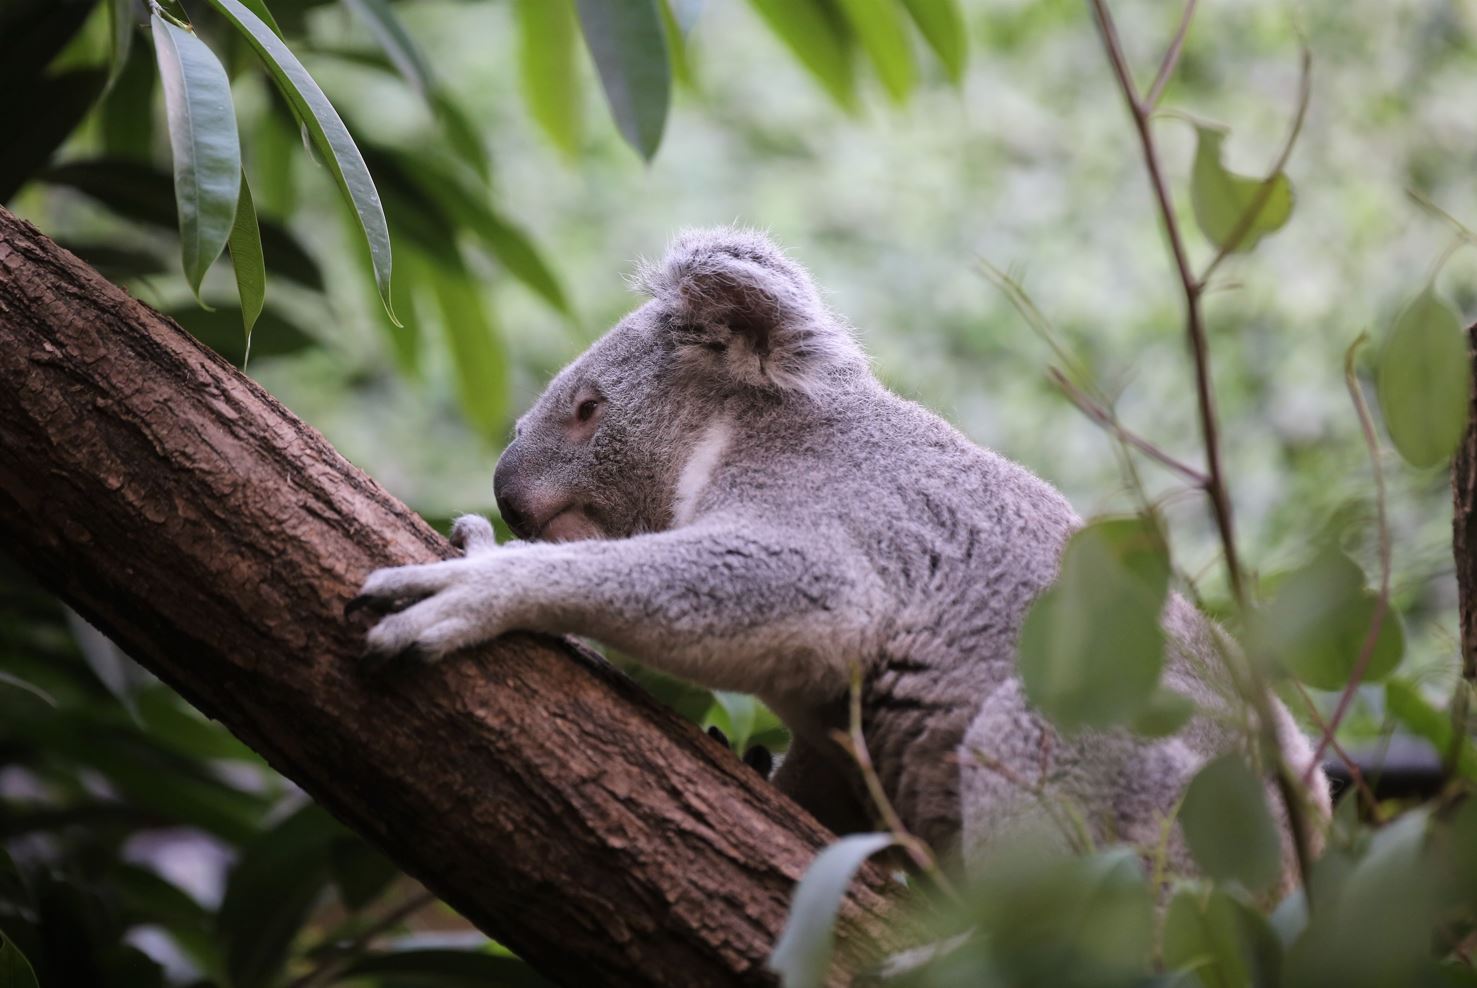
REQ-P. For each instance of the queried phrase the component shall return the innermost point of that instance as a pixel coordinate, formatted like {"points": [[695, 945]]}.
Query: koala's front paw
{"points": [[429, 611], [473, 535]]}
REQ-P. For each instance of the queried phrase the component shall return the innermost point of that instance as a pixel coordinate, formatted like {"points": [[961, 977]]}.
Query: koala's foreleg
{"points": [[729, 606]]}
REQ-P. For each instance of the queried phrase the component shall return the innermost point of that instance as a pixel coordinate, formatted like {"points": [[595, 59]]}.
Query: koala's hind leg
{"points": [[826, 786], [1020, 778]]}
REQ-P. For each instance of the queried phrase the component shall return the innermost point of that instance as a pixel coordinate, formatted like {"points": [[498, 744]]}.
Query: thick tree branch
{"points": [[214, 536]]}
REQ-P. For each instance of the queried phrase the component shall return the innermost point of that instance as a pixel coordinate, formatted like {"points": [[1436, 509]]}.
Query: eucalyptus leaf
{"points": [[820, 41], [883, 35], [1412, 712], [1221, 941], [207, 148], [1091, 648], [396, 43], [1375, 927], [121, 23], [1423, 379], [1227, 825], [328, 135], [628, 43], [1317, 621], [1222, 200], [480, 359], [249, 262], [15, 970], [942, 25], [1165, 713], [279, 877], [802, 955]]}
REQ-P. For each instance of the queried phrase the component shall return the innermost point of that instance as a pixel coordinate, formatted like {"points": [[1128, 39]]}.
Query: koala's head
{"points": [[730, 321]]}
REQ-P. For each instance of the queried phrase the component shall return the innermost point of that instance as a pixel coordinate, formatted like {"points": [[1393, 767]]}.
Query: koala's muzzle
{"points": [[511, 494]]}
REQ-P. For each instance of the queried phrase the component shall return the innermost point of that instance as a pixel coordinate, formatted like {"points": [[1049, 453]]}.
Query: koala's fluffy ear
{"points": [[737, 307]]}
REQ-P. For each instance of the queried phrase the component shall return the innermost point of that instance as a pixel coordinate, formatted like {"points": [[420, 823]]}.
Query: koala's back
{"points": [[960, 541]]}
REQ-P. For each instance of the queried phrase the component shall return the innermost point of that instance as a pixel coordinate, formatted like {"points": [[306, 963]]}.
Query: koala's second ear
{"points": [[746, 311]]}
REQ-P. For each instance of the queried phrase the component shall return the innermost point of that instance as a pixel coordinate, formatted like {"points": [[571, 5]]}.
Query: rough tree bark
{"points": [[184, 511], [1464, 550]]}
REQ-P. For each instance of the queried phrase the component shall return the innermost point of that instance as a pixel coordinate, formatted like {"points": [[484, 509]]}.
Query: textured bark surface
{"points": [[216, 537], [1464, 521]]}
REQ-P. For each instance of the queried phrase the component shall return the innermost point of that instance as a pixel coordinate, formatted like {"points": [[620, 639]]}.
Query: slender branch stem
{"points": [[1356, 774], [1256, 692], [1264, 191], [1171, 59], [855, 744], [1106, 418], [1382, 604], [1194, 325]]}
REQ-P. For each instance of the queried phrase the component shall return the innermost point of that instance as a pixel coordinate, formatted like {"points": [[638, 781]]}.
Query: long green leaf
{"points": [[942, 25], [629, 45], [547, 38], [121, 23], [15, 970], [821, 43], [802, 954], [249, 262], [396, 43], [476, 348], [207, 149], [328, 135], [880, 28]]}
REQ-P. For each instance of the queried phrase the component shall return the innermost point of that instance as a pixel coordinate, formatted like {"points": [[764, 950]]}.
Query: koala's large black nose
{"points": [[505, 490], [516, 519]]}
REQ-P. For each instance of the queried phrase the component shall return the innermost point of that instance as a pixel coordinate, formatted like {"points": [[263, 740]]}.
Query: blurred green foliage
{"points": [[473, 161]]}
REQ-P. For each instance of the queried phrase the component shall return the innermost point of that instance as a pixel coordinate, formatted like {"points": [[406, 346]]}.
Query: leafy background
{"points": [[145, 845]]}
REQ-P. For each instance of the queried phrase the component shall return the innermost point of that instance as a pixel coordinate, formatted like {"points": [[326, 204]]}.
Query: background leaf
{"points": [[1091, 648], [884, 35], [628, 43], [818, 39], [1227, 826], [1423, 379], [942, 24], [1318, 618], [1221, 199], [547, 39], [15, 970]]}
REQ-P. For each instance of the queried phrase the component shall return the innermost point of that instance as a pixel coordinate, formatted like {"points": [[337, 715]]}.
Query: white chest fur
{"points": [[705, 457]]}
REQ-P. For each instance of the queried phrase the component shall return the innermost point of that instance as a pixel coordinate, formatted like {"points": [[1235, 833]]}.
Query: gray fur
{"points": [[747, 507]]}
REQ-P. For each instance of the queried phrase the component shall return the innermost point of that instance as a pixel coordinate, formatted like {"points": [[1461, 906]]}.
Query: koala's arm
{"points": [[731, 606]]}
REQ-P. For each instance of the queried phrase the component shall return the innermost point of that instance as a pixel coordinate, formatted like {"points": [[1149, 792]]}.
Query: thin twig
{"points": [[1106, 418], [341, 959], [1356, 774], [1194, 325], [1171, 59], [855, 744], [1264, 191], [1382, 604], [1254, 690]]}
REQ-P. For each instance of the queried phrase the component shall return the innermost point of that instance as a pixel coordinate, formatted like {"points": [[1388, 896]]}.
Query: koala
{"points": [[720, 488]]}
